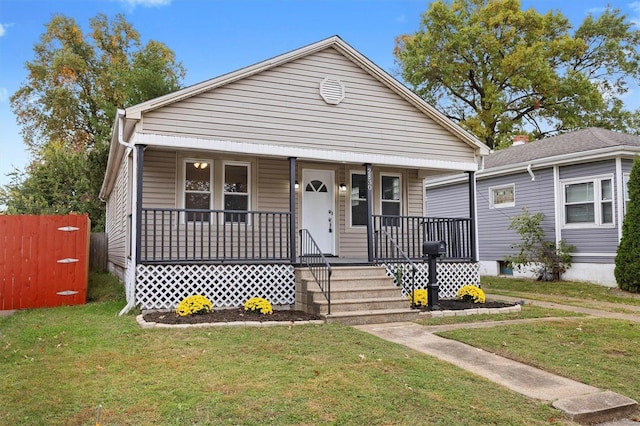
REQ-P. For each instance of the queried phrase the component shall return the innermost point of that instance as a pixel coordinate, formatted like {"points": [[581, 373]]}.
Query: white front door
{"points": [[318, 207]]}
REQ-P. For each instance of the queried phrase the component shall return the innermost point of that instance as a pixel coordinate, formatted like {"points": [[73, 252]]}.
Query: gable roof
{"points": [[135, 112], [577, 144]]}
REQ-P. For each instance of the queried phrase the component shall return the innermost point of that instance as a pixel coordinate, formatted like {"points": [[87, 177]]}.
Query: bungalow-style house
{"points": [[316, 156], [578, 180]]}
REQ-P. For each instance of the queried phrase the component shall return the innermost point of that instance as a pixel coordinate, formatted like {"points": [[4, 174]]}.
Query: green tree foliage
{"points": [[499, 70], [535, 251], [627, 271], [75, 84]]}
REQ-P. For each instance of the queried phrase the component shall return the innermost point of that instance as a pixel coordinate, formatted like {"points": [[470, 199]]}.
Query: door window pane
{"points": [[236, 192]]}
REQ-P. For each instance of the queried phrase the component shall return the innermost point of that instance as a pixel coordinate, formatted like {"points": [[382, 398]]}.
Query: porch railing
{"points": [[410, 232], [318, 265], [387, 252], [196, 236]]}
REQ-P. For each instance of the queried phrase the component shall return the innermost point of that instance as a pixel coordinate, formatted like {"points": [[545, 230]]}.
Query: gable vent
{"points": [[332, 90]]}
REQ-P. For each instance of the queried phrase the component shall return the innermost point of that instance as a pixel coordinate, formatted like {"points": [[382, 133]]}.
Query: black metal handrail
{"points": [[392, 253], [318, 265], [196, 236], [410, 232]]}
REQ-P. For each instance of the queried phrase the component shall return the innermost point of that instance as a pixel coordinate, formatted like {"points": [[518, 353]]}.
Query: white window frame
{"points": [[400, 201], [625, 191], [493, 204], [183, 179], [597, 201], [224, 181], [350, 191]]}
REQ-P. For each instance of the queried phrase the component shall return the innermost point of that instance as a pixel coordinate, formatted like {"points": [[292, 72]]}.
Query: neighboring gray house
{"points": [[577, 180], [209, 188]]}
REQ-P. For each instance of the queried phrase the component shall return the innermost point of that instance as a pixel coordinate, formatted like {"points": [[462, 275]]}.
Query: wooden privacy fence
{"points": [[44, 260]]}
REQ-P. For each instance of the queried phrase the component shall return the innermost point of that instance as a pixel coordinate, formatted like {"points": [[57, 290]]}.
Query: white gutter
{"points": [[130, 277]]}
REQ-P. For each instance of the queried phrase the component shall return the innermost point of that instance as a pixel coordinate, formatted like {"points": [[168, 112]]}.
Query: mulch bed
{"points": [[457, 305], [239, 314], [228, 315]]}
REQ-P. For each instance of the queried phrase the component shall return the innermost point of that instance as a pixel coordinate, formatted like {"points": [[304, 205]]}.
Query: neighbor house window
{"points": [[358, 199], [588, 202], [197, 189], [502, 196], [236, 191], [390, 198], [625, 186]]}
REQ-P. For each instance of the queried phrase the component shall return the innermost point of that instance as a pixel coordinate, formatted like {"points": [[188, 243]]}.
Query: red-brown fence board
{"points": [[44, 260]]}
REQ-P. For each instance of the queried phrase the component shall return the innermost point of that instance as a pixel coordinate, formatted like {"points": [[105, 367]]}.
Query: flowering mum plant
{"points": [[471, 293], [258, 304], [194, 305], [420, 297]]}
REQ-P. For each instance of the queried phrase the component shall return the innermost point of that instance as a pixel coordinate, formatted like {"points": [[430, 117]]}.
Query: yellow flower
{"points": [[471, 293], [194, 305], [258, 304], [420, 298]]}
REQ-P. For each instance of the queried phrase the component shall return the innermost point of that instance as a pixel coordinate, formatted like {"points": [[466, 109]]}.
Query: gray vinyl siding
{"points": [[448, 201], [282, 106], [592, 239], [495, 237], [118, 208], [159, 179]]}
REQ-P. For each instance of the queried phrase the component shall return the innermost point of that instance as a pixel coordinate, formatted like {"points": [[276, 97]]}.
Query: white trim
{"points": [[246, 164], [401, 193], [182, 176], [182, 142], [348, 198], [619, 195], [597, 202], [492, 205], [556, 204]]}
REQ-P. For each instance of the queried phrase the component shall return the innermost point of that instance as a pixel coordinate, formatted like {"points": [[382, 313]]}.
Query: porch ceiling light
{"points": [[200, 165], [343, 187]]}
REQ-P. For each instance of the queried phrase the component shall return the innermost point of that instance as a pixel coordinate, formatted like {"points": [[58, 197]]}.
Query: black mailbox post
{"points": [[431, 250]]}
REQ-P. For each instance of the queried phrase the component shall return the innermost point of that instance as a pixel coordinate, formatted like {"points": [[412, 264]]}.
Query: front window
{"points": [[502, 196], [589, 202], [358, 199], [390, 197], [197, 189], [625, 186], [236, 192]]}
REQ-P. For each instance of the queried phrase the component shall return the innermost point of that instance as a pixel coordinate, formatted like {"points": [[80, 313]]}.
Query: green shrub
{"points": [[537, 251], [627, 270]]}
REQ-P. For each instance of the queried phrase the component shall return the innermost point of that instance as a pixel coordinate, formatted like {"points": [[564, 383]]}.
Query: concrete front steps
{"points": [[359, 295]]}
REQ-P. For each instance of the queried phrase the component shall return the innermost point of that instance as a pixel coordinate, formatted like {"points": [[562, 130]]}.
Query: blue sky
{"points": [[212, 37]]}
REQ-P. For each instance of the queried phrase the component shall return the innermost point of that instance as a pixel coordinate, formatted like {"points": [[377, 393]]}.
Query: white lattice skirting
{"points": [[451, 276], [164, 286]]}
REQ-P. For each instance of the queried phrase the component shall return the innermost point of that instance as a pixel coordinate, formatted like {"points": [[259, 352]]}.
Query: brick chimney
{"points": [[520, 140]]}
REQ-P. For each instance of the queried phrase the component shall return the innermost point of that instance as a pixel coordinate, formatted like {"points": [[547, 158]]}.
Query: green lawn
{"points": [[600, 352], [589, 295], [59, 364]]}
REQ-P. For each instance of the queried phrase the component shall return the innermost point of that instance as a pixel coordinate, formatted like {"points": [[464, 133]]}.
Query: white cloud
{"points": [[3, 29], [146, 3], [596, 10]]}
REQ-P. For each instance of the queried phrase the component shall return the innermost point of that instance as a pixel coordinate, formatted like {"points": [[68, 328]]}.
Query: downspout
{"points": [[130, 283], [533, 177]]}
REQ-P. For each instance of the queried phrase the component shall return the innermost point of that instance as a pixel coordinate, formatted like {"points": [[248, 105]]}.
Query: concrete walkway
{"points": [[580, 402]]}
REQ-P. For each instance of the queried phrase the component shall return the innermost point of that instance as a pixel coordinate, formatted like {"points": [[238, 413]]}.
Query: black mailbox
{"points": [[434, 248]]}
